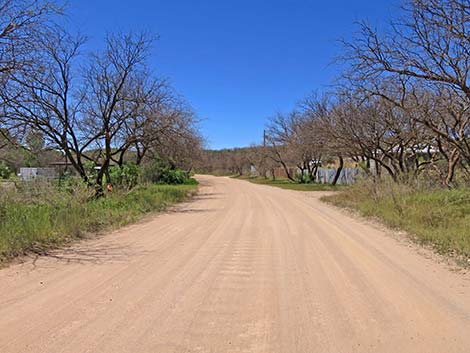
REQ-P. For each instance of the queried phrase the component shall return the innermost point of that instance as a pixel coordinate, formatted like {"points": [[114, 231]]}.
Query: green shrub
{"points": [[126, 175], [302, 178], [159, 172], [5, 171], [90, 169]]}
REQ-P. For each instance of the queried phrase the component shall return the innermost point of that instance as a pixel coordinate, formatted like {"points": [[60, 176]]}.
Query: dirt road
{"points": [[242, 268]]}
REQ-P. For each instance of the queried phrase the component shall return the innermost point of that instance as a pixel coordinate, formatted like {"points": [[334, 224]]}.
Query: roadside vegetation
{"points": [[101, 138], [39, 215], [432, 216], [398, 118]]}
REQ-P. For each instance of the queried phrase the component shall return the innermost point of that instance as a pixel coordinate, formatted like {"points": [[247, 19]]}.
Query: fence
{"points": [[346, 177], [28, 174], [324, 175]]}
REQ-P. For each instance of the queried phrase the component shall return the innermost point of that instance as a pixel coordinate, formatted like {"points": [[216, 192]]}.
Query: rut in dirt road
{"points": [[242, 268]]}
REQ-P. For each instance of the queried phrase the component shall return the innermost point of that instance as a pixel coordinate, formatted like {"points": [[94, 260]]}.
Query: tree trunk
{"points": [[99, 191], [338, 170], [451, 164], [286, 169]]}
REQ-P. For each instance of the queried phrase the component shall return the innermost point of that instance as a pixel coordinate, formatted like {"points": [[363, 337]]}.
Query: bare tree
{"points": [[430, 42], [321, 110], [44, 98], [296, 141], [170, 132], [110, 110], [259, 156], [426, 50], [279, 134], [179, 143], [115, 93], [22, 22]]}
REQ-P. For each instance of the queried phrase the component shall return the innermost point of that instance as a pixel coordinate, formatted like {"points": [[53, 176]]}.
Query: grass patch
{"points": [[436, 217], [288, 184], [43, 217]]}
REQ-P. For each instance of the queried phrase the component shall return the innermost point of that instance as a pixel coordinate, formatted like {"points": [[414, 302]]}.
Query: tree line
{"points": [[399, 108], [105, 107]]}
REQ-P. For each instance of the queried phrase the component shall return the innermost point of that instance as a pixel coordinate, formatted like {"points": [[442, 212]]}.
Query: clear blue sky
{"points": [[237, 61]]}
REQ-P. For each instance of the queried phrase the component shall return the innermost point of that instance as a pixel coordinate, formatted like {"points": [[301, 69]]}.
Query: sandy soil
{"points": [[242, 268]]}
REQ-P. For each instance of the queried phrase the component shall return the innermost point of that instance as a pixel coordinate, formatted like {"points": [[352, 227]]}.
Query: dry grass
{"points": [[436, 217], [41, 216]]}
